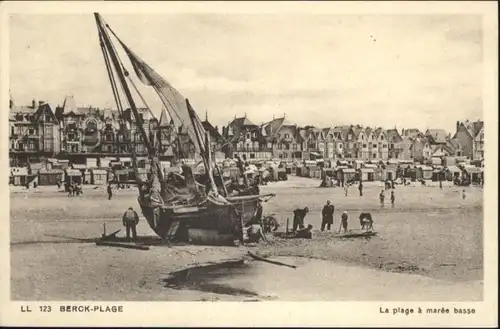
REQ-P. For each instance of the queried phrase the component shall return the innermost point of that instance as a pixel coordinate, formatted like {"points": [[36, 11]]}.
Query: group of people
{"points": [[365, 218], [382, 198], [73, 188]]}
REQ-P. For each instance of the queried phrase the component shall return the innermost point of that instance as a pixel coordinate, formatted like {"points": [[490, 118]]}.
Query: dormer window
{"points": [[287, 135]]}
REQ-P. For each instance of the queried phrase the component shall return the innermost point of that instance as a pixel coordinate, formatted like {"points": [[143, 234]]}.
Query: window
{"points": [[120, 138], [12, 130], [252, 155], [31, 131], [384, 146], [108, 137], [109, 149], [248, 135], [364, 145], [340, 146], [370, 145], [391, 146], [349, 137], [287, 135], [374, 155], [381, 137], [362, 137]]}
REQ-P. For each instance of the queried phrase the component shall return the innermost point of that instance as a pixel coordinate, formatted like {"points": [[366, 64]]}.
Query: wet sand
{"points": [[431, 237]]}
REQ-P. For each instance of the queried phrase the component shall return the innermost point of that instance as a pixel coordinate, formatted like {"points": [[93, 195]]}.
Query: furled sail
{"points": [[170, 97]]}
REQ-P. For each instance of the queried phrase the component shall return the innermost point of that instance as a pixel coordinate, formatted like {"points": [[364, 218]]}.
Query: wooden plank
{"points": [[121, 245], [269, 261]]}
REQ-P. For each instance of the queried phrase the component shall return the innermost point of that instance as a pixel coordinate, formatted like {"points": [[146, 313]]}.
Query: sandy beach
{"points": [[428, 244]]}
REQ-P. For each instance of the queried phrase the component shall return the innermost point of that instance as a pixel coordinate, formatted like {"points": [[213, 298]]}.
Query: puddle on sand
{"points": [[211, 279], [316, 280]]}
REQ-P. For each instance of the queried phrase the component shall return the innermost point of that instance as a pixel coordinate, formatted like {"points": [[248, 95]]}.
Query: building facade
{"points": [[33, 133]]}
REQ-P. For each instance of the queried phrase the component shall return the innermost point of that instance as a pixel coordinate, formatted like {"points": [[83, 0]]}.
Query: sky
{"points": [[422, 71]]}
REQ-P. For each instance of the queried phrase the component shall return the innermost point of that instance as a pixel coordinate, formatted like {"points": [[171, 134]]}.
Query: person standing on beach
{"points": [[346, 188], [393, 198], [382, 197], [327, 214], [110, 192], [298, 218], [344, 221], [130, 221], [360, 188]]}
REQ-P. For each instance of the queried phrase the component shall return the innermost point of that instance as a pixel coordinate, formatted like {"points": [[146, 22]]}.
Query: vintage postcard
{"points": [[328, 163]]}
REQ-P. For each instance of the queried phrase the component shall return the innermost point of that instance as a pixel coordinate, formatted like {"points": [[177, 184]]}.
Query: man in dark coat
{"points": [[327, 214], [130, 221], [298, 218], [360, 187]]}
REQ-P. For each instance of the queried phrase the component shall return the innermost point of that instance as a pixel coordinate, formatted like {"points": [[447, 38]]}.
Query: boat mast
{"points": [[204, 152], [121, 76]]}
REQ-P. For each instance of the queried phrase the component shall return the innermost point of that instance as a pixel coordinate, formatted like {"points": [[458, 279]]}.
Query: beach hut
{"points": [[474, 173], [367, 174], [50, 176], [438, 174], [357, 164], [452, 173], [99, 176], [19, 175], [414, 173], [389, 172], [346, 174], [73, 176], [426, 172]]}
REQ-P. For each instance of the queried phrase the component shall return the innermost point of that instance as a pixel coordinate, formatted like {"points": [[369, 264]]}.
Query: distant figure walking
{"points": [[346, 188], [463, 194], [440, 184], [393, 198], [343, 223], [382, 197], [130, 221], [298, 218], [360, 188], [110, 192], [327, 214]]}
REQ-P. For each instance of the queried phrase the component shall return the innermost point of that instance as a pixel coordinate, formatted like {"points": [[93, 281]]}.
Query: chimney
{"points": [[458, 124], [33, 103], [11, 104]]}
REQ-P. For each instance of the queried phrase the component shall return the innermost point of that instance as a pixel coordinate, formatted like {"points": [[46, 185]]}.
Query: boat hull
{"points": [[208, 222]]}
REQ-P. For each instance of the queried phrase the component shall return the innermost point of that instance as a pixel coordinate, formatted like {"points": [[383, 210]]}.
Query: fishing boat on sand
{"points": [[176, 207]]}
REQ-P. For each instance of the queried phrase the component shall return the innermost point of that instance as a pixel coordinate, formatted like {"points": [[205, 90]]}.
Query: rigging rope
{"points": [[156, 86]]}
